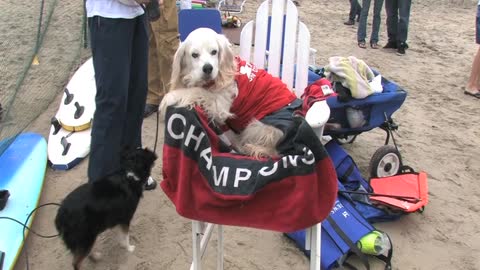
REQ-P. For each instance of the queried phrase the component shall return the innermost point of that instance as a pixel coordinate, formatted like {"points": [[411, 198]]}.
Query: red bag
{"points": [[407, 192]]}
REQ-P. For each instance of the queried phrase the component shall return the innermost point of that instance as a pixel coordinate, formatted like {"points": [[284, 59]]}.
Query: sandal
{"points": [[362, 44], [475, 95], [374, 45]]}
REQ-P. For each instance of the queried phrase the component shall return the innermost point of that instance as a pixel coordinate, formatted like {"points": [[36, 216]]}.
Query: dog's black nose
{"points": [[207, 69]]}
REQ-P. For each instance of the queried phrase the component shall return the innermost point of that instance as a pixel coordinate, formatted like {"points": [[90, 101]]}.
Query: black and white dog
{"points": [[111, 202]]}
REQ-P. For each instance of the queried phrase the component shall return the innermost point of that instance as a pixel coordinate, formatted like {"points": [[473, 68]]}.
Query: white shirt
{"points": [[126, 9]]}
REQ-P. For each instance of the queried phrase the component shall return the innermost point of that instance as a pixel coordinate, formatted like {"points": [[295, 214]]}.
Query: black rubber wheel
{"points": [[345, 139], [386, 161]]}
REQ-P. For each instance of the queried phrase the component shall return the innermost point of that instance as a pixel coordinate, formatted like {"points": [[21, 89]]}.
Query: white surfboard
{"points": [[78, 102], [69, 139], [67, 148]]}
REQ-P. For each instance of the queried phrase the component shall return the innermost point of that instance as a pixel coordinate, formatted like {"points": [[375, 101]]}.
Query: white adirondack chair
{"points": [[292, 67]]}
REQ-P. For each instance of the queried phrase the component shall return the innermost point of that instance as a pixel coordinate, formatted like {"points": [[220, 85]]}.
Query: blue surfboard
{"points": [[22, 172]]}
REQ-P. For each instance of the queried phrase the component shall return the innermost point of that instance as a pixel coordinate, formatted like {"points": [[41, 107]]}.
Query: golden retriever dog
{"points": [[231, 91]]}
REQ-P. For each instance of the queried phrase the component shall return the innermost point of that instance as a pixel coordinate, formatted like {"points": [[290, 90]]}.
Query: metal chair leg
{"points": [[220, 248], [201, 237], [196, 238], [315, 246]]}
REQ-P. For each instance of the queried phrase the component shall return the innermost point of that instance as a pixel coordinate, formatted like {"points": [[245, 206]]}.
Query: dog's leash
{"points": [[156, 133]]}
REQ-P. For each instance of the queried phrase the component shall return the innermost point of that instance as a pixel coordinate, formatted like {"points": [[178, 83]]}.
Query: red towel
{"points": [[207, 182], [259, 94]]}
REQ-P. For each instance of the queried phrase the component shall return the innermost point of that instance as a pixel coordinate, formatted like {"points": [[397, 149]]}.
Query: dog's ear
{"points": [[125, 152], [227, 66], [150, 155], [177, 67]]}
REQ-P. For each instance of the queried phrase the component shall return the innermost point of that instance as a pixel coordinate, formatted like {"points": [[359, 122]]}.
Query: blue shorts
{"points": [[477, 26]]}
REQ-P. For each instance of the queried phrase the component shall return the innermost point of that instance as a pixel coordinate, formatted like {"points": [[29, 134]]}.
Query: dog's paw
{"points": [[168, 100], [221, 117]]}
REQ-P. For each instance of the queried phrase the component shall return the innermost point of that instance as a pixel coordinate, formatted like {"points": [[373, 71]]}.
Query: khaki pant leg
{"points": [[163, 44], [170, 44], [153, 95]]}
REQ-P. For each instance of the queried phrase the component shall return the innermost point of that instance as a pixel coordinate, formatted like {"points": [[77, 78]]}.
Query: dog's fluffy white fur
{"points": [[203, 74]]}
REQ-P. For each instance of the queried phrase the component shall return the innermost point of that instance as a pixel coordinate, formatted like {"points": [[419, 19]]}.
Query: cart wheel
{"points": [[386, 161], [345, 139]]}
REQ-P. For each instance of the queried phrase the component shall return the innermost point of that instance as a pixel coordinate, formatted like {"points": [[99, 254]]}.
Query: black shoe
{"points": [[349, 22], [390, 45], [149, 110], [401, 50], [151, 184]]}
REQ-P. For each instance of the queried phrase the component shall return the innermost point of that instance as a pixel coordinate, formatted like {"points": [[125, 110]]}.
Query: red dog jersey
{"points": [[259, 94]]}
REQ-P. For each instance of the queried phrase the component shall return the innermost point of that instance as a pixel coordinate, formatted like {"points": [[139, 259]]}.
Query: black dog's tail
{"points": [[61, 222], [68, 226]]}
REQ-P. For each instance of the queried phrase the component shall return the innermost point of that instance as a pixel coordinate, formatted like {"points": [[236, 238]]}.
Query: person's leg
{"points": [[473, 84], [169, 44], [404, 17], [111, 51], [354, 11], [362, 25], [163, 44], [358, 9], [392, 21], [166, 35], [138, 85], [153, 96], [377, 17]]}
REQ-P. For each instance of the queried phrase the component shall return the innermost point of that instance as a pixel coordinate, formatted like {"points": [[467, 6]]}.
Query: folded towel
{"points": [[353, 73]]}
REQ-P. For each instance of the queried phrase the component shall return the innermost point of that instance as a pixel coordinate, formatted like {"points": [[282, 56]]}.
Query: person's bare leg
{"points": [[473, 84]]}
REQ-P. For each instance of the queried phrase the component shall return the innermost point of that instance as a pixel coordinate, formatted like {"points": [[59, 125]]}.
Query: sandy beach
{"points": [[438, 133]]}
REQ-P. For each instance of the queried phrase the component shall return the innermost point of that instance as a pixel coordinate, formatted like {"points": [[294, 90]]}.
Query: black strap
{"points": [[348, 241], [4, 195], [344, 177], [2, 256], [387, 259], [405, 169]]}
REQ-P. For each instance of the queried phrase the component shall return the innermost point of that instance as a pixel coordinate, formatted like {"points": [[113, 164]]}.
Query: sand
{"points": [[438, 134]]}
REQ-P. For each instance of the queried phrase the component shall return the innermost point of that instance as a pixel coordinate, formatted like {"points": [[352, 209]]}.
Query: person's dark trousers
{"points": [[120, 60], [398, 16], [355, 10]]}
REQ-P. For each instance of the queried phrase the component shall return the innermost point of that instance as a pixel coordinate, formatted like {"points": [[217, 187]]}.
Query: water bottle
{"points": [[374, 243]]}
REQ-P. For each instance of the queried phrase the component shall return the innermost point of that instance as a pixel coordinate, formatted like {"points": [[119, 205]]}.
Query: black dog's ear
{"points": [[125, 155], [125, 152], [150, 155]]}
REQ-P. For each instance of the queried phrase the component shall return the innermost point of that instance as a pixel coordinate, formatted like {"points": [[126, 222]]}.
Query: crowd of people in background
{"points": [[398, 15], [397, 20]]}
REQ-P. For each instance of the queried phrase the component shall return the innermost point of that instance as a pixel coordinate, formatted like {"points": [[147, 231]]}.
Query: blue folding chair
{"points": [[191, 19]]}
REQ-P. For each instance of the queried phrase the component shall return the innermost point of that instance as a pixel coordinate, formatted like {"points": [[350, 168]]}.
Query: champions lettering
{"points": [[226, 171]]}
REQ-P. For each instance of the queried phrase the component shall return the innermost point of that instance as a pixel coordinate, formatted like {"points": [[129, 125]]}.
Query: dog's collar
{"points": [[133, 175]]}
